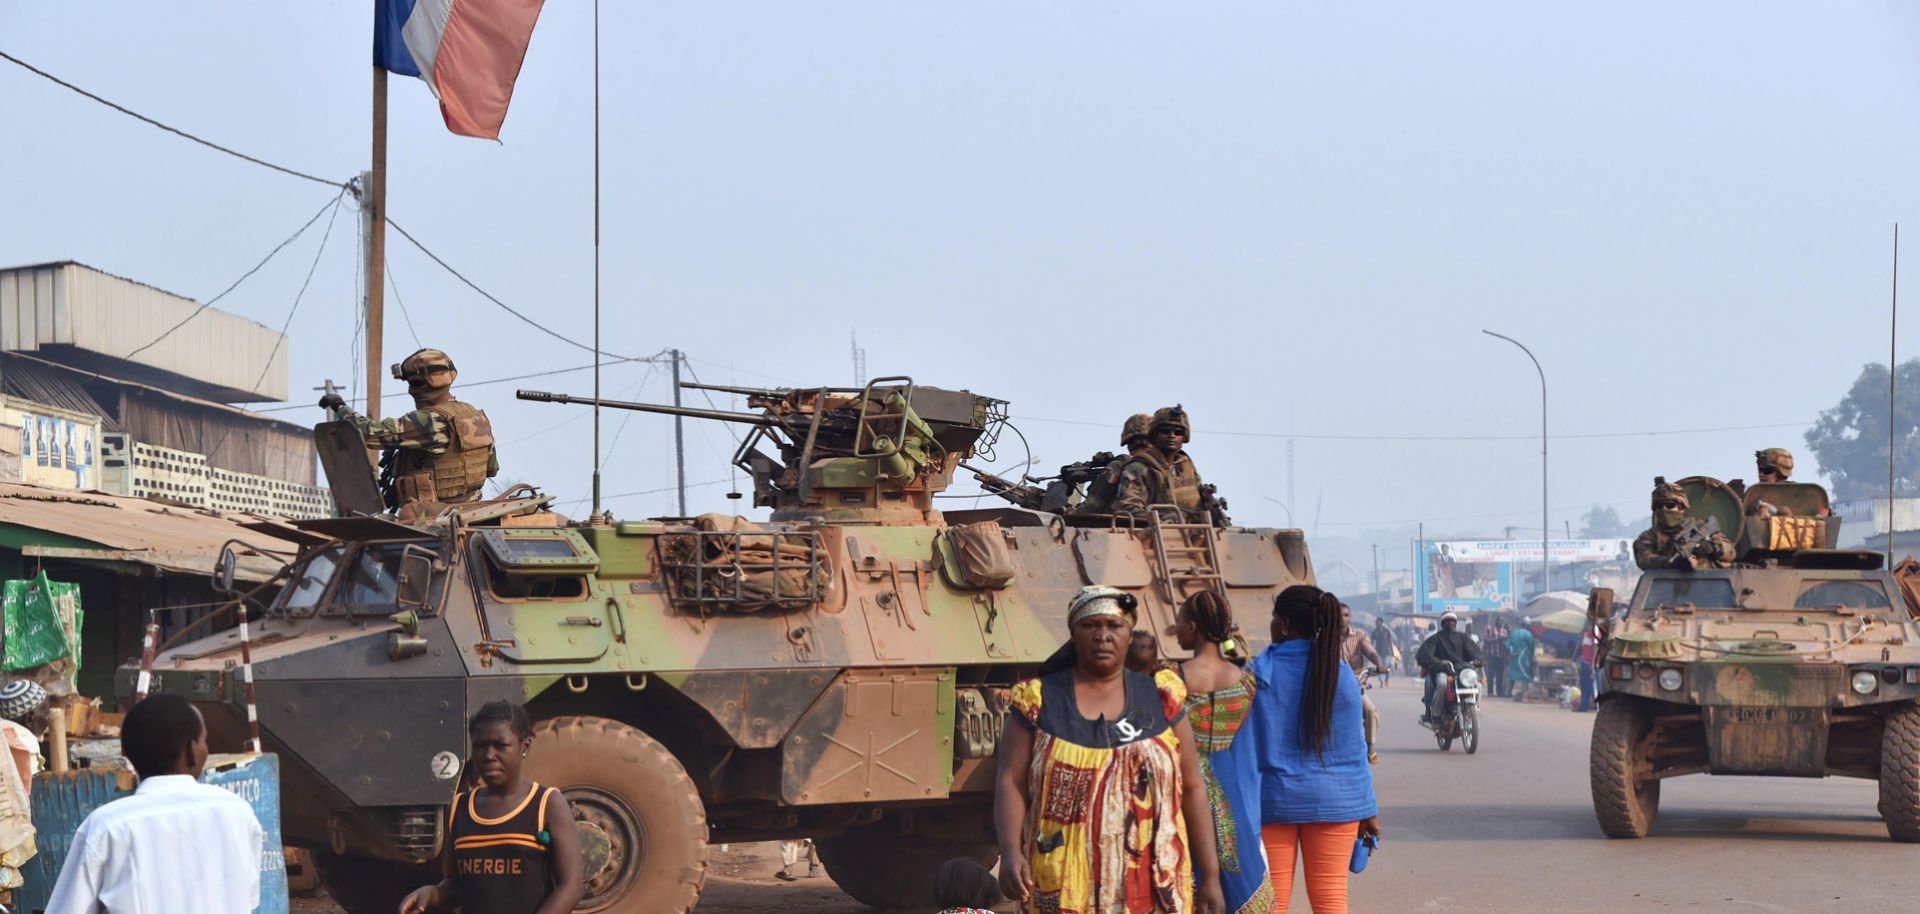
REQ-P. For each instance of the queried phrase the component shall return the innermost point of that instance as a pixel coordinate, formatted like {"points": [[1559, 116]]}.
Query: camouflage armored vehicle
{"points": [[838, 672], [1801, 660]]}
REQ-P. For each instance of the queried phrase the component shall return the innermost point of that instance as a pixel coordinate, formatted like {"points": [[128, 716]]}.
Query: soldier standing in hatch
{"points": [[1100, 491], [1162, 474], [1774, 464], [1660, 547], [439, 454]]}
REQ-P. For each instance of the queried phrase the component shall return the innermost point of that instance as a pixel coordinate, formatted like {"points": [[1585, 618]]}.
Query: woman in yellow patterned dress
{"points": [[1092, 812], [1219, 699]]}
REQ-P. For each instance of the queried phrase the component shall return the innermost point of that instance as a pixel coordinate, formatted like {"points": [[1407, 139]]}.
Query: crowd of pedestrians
{"points": [[1202, 787]]}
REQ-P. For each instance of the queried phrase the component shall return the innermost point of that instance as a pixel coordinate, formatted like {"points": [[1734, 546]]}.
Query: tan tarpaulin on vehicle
{"points": [[976, 556], [736, 573]]}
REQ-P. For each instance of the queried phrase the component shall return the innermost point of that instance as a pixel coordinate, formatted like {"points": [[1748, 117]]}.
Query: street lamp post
{"points": [[1546, 560], [1283, 507]]}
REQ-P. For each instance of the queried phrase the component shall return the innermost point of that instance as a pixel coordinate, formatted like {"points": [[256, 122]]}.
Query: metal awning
{"points": [[135, 531]]}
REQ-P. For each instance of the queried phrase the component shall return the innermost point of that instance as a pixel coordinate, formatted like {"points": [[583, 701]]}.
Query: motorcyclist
{"points": [[1449, 644]]}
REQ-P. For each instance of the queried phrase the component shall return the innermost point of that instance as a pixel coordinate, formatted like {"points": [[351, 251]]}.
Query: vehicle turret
{"points": [[876, 454]]}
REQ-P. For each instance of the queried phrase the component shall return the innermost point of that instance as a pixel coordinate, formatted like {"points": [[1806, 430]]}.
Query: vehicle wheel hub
{"points": [[610, 840]]}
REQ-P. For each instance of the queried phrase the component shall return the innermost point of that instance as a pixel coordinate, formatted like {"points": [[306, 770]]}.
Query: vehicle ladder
{"points": [[1183, 554]]}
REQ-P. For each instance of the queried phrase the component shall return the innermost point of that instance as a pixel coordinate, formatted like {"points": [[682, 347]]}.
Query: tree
{"points": [[1602, 523], [1850, 440]]}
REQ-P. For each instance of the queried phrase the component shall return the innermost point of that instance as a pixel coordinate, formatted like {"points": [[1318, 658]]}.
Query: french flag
{"points": [[468, 52]]}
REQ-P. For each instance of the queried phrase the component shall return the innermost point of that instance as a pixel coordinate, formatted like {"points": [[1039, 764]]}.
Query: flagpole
{"points": [[377, 241]]}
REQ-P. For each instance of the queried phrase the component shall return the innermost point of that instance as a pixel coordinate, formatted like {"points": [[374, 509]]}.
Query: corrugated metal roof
{"points": [[139, 530], [15, 358], [70, 304], [32, 380]]}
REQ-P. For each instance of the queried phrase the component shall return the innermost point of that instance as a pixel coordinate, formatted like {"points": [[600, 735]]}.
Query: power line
{"points": [[170, 129], [489, 296], [691, 485], [243, 277], [1589, 435], [298, 174], [284, 325], [395, 286], [465, 384]]}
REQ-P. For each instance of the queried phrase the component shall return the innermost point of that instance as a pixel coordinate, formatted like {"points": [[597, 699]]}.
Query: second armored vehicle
{"points": [[1801, 660]]}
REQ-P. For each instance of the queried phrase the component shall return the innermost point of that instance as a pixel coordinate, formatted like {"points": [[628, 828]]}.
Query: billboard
{"points": [[1470, 575]]}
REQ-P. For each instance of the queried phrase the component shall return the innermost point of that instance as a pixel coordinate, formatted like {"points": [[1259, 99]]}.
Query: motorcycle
{"points": [[1459, 716]]}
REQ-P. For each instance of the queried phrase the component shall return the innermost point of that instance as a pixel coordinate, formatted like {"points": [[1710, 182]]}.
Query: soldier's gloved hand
{"points": [[1704, 550], [332, 401]]}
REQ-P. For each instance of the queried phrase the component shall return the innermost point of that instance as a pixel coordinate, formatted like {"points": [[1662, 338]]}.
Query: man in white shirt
{"points": [[176, 845]]}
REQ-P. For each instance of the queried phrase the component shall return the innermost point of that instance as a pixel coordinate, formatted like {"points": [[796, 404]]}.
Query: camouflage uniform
{"points": [[1658, 546], [1100, 492], [439, 454], [1153, 478]]}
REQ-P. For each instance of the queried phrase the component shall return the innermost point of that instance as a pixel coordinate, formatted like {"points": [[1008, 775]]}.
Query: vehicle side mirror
{"points": [[415, 580], [1600, 604], [223, 569]]}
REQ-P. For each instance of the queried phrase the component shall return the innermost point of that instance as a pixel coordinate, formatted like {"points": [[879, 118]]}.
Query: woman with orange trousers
{"points": [[1316, 788]]}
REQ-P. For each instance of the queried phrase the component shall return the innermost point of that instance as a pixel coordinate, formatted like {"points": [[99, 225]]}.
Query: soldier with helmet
{"points": [[1774, 464], [1101, 489], [1162, 474], [439, 454], [1669, 543]]}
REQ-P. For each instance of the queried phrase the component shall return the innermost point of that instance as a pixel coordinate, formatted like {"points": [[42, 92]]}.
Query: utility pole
{"points": [[1893, 372], [374, 209], [679, 437], [1376, 576]]}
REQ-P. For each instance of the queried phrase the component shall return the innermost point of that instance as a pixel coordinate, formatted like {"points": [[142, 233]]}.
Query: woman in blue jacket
{"points": [[1316, 789]]}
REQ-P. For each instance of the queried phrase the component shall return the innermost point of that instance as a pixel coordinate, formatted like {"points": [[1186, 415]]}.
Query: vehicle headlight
{"points": [[1469, 678], [1864, 682], [1670, 680]]}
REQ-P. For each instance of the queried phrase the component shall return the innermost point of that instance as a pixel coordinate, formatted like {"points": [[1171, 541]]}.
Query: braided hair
{"points": [[1314, 614], [1213, 618]]}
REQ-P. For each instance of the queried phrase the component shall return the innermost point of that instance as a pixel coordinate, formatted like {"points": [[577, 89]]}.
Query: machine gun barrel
{"points": [[541, 396], [731, 389]]}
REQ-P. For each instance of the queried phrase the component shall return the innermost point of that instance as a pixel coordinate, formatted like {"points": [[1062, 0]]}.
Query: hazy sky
{"points": [[1292, 218]]}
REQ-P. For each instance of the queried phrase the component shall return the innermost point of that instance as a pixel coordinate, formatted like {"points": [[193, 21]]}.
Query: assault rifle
{"points": [[1059, 493], [1694, 539]]}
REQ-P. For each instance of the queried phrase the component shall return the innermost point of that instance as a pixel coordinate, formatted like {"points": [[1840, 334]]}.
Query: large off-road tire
{"points": [[1625, 803], [1900, 773], [882, 868], [366, 885], [1470, 728], [626, 785]]}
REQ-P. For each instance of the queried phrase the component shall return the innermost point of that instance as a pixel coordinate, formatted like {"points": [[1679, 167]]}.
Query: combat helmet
{"points": [[423, 358], [1175, 416], [1666, 491], [1138, 425], [1777, 459]]}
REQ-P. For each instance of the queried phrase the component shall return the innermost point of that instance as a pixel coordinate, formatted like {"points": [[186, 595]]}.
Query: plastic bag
{"points": [[42, 619]]}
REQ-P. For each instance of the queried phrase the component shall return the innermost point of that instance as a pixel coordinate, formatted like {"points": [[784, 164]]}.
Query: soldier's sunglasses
{"points": [[425, 370]]}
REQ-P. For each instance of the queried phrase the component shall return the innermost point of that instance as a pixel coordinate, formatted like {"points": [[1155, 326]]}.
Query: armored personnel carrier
{"points": [[1801, 660], [838, 672]]}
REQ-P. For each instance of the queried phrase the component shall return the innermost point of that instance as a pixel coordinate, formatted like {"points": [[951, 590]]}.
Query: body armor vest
{"points": [[457, 474], [1177, 484]]}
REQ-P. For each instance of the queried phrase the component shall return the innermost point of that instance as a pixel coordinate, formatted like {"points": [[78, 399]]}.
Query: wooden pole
{"points": [[377, 244]]}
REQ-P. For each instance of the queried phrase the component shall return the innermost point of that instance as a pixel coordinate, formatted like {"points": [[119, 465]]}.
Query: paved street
{"points": [[1510, 829]]}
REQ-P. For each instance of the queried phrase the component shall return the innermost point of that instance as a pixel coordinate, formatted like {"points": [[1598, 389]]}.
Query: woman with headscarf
{"points": [[1098, 779], [1316, 789], [1219, 698]]}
